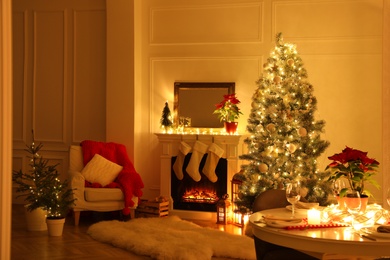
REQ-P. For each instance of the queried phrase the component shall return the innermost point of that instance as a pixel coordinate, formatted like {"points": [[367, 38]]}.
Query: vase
{"points": [[35, 219], [55, 227], [231, 127]]}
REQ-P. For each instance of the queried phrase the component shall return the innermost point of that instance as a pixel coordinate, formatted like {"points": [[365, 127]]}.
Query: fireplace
{"points": [[169, 148], [203, 195]]}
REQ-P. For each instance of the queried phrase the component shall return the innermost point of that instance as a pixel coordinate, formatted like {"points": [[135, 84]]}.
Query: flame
{"points": [[199, 195]]}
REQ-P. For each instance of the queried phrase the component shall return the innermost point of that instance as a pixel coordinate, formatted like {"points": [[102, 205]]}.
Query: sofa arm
{"points": [[77, 182]]}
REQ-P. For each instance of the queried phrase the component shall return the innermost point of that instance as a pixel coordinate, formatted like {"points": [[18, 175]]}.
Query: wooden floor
{"points": [[74, 243]]}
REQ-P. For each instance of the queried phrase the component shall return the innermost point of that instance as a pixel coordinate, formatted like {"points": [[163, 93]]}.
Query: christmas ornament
{"points": [[263, 168], [271, 127], [277, 79], [292, 148], [302, 132], [259, 128]]}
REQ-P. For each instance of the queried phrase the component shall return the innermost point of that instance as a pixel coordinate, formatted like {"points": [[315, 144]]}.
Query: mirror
{"points": [[195, 102]]}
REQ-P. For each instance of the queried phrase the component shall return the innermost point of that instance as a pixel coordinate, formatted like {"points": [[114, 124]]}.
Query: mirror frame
{"points": [[179, 86]]}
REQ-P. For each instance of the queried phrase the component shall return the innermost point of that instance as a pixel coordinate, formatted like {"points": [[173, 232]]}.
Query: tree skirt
{"points": [[172, 238]]}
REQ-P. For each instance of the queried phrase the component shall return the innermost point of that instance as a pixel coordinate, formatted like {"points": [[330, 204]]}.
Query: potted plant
{"points": [[228, 111], [42, 187], [356, 168], [57, 200], [30, 186]]}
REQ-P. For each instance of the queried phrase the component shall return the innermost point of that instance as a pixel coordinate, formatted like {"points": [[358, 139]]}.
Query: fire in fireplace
{"points": [[203, 195]]}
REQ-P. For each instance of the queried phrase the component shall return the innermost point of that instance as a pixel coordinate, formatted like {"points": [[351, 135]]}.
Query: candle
{"points": [[313, 217]]}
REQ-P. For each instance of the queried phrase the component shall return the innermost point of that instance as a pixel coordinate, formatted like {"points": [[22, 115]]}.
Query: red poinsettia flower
{"points": [[356, 167], [228, 110], [231, 98]]}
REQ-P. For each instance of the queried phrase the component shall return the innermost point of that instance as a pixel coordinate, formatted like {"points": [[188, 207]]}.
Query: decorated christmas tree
{"points": [[285, 139], [41, 186]]}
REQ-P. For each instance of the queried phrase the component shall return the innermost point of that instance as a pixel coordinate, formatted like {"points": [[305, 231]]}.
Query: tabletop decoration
{"points": [[373, 215], [323, 225], [356, 168]]}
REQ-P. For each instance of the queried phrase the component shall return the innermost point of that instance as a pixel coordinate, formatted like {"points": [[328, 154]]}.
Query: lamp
{"points": [[223, 206], [237, 214], [241, 218], [236, 182]]}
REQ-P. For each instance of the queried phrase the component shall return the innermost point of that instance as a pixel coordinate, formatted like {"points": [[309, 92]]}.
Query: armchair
{"points": [[92, 199]]}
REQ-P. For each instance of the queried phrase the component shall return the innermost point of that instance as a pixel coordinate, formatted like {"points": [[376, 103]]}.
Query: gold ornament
{"points": [[302, 132], [255, 105], [259, 128], [290, 62], [303, 191], [292, 148], [271, 127], [277, 79], [263, 168], [269, 150]]}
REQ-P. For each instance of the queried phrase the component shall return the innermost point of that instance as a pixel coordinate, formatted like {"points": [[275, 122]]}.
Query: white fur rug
{"points": [[172, 238]]}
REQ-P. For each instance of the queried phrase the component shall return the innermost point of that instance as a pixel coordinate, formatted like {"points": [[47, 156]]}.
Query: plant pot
{"points": [[55, 227], [36, 219], [363, 201], [231, 127]]}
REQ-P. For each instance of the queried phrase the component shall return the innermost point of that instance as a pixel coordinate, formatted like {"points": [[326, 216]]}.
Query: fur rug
{"points": [[172, 238]]}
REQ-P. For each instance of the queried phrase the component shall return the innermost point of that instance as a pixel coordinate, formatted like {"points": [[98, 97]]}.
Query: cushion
{"points": [[92, 194], [100, 170]]}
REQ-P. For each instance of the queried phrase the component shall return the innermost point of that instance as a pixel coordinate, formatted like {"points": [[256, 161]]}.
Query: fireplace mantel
{"points": [[169, 147]]}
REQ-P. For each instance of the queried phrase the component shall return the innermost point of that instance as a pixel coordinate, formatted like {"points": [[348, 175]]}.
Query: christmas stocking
{"points": [[198, 151], [215, 152], [184, 149]]}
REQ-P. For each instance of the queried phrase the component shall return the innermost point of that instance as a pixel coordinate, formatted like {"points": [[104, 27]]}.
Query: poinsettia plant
{"points": [[227, 110], [356, 167]]}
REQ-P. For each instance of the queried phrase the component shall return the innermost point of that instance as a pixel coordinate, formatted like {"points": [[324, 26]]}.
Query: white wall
{"points": [[340, 43]]}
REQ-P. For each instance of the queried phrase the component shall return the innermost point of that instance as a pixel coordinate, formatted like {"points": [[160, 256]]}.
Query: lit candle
{"points": [[313, 217]]}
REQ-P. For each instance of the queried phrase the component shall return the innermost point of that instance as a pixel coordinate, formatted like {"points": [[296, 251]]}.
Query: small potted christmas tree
{"points": [[30, 186], [42, 188], [165, 121], [57, 200]]}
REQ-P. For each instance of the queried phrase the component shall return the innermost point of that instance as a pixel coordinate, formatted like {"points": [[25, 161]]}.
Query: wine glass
{"points": [[293, 195], [338, 185], [352, 203], [388, 196]]}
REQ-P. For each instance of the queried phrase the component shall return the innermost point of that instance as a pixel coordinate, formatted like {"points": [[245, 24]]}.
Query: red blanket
{"points": [[128, 180]]}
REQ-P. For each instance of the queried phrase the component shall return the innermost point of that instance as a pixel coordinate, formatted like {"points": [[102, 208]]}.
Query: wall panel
{"points": [[49, 76], [89, 89], [327, 20], [206, 24], [19, 91]]}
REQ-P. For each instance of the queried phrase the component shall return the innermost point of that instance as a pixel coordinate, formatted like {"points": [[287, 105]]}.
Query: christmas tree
{"points": [[166, 118], [41, 186], [285, 139]]}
